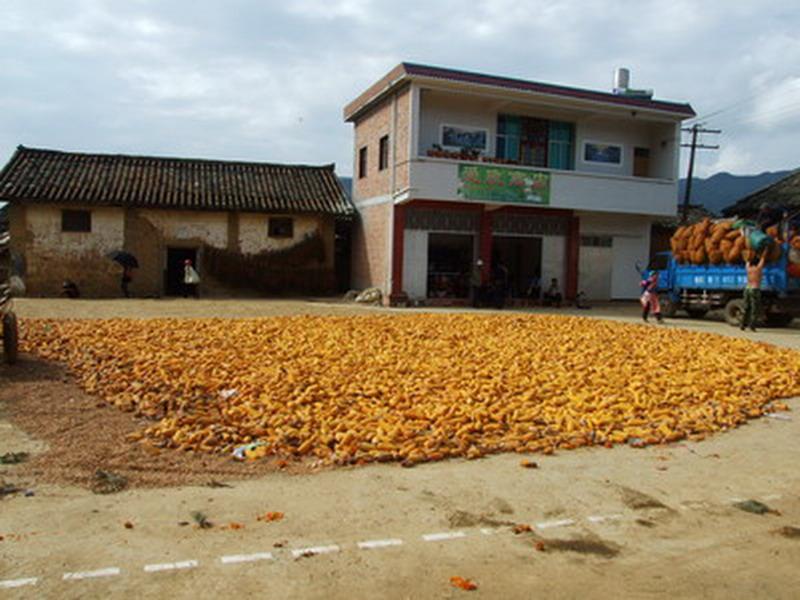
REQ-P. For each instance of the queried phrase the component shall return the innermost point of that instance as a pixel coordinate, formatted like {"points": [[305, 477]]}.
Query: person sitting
{"points": [[552, 296], [534, 290], [581, 302], [70, 290]]}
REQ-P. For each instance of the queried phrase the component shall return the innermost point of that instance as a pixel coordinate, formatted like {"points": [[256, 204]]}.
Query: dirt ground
{"points": [[655, 522]]}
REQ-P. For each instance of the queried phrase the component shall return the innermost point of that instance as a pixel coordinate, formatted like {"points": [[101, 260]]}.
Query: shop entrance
{"points": [[173, 274], [449, 264], [522, 258]]}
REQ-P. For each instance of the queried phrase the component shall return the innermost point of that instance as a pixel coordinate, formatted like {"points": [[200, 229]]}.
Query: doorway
{"points": [[449, 264], [173, 274], [522, 257]]}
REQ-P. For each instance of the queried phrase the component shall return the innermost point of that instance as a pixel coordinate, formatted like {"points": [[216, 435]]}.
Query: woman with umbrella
{"points": [[128, 263]]}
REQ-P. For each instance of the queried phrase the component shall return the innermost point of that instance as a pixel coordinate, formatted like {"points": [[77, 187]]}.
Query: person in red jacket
{"points": [[649, 298]]}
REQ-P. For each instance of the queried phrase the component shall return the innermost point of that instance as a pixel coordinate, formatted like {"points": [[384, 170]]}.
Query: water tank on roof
{"points": [[622, 79]]}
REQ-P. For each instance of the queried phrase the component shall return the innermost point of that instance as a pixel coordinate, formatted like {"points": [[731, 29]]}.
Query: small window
{"points": [[362, 162], [76, 220], [383, 153], [597, 241], [281, 227]]}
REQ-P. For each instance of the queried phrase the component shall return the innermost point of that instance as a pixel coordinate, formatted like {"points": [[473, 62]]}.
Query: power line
{"points": [[695, 129]]}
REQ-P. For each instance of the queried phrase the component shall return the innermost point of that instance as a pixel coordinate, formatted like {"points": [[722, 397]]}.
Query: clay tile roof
{"points": [[36, 176], [784, 193], [409, 71]]}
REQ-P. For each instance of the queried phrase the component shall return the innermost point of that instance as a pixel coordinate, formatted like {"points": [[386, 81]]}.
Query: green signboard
{"points": [[503, 184]]}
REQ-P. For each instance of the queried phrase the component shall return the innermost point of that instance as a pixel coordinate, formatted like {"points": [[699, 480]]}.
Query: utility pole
{"points": [[694, 130]]}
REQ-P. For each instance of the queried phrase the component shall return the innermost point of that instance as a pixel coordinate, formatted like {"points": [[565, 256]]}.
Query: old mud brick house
{"points": [[267, 227]]}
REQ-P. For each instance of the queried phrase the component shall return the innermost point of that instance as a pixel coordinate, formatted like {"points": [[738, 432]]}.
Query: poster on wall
{"points": [[502, 184], [608, 154], [464, 138]]}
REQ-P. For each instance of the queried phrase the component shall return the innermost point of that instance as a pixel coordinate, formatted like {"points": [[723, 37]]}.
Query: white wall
{"points": [[554, 254], [210, 227], [437, 179], [254, 228], [415, 263], [595, 267], [631, 243], [439, 108]]}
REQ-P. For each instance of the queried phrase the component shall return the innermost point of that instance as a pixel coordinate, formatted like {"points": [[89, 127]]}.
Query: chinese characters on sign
{"points": [[502, 184]]}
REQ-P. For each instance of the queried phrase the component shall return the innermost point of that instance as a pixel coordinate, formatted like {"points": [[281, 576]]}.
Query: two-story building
{"points": [[546, 180]]}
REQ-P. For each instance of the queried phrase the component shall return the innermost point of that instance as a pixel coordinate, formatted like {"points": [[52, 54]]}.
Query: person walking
{"points": [[127, 277], [752, 293], [191, 280], [649, 299]]}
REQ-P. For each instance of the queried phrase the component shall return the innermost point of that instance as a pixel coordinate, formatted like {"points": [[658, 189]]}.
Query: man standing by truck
{"points": [[752, 293]]}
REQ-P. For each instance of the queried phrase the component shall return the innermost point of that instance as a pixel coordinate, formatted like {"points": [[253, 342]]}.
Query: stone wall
{"points": [[52, 256]]}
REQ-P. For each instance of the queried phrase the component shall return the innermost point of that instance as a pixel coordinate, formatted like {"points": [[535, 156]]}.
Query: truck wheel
{"points": [[668, 308], [10, 337], [779, 319], [696, 313], [734, 311]]}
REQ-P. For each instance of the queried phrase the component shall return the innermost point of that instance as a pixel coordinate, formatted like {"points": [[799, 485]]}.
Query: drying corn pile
{"points": [[419, 387], [717, 242]]}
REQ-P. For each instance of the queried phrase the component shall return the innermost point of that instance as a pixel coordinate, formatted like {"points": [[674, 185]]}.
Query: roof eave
{"points": [[400, 75]]}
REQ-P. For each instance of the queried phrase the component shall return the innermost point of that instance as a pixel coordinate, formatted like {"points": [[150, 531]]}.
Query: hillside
{"points": [[723, 189]]}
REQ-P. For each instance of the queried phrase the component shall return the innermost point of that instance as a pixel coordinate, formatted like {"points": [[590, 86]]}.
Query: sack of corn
{"points": [[723, 241]]}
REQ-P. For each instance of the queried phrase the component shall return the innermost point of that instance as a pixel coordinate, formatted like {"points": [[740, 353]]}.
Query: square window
{"points": [[281, 227], [383, 153], [76, 220], [362, 162]]}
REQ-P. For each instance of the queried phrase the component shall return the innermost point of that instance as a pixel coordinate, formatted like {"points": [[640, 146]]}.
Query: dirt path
{"points": [[655, 522]]}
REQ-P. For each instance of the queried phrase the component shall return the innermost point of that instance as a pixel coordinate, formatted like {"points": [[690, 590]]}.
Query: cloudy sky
{"points": [[266, 80]]}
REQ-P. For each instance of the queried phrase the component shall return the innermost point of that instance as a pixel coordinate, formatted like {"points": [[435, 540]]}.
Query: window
{"points": [[508, 137], [76, 220], [362, 162], [560, 154], [597, 241], [383, 153], [536, 142], [533, 142], [281, 227]]}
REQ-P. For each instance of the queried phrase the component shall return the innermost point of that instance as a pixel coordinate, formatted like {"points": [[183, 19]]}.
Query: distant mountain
{"points": [[347, 184], [723, 189]]}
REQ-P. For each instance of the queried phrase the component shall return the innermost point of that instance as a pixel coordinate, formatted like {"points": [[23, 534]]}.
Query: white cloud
{"points": [[268, 80]]}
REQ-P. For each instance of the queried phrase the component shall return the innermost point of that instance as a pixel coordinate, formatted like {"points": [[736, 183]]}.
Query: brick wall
{"points": [[401, 139], [370, 262], [369, 129]]}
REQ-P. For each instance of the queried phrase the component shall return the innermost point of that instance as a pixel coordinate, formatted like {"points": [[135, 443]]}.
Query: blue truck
{"points": [[697, 289]]}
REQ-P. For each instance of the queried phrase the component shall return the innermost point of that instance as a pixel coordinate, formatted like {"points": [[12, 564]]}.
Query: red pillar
{"points": [[485, 245], [573, 251], [398, 239]]}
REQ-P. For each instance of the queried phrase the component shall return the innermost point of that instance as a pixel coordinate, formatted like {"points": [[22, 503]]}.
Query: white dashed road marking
{"points": [[184, 564], [110, 572], [243, 558], [315, 550], [439, 537], [15, 583], [550, 524], [369, 544], [603, 518]]}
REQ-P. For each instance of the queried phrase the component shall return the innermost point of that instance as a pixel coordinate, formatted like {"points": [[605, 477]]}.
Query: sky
{"points": [[267, 80]]}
